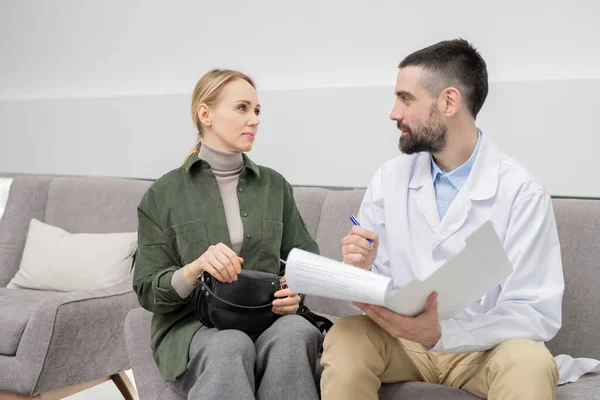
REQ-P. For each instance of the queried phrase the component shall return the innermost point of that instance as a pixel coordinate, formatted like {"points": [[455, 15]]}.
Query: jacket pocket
{"points": [[188, 240], [270, 246]]}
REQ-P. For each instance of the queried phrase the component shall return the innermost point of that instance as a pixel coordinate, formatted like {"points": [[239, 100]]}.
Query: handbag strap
{"points": [[323, 324], [226, 305]]}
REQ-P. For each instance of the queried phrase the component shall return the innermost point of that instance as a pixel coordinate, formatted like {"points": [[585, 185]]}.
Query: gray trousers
{"points": [[279, 364]]}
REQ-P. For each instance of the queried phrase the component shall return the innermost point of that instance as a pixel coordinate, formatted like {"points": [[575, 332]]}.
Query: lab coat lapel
{"points": [[480, 185], [422, 183]]}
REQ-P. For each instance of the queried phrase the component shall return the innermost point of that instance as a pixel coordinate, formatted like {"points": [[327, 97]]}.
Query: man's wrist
{"points": [[433, 342]]}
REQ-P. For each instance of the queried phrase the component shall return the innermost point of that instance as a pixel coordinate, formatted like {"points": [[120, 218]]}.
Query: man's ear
{"points": [[204, 115], [450, 101]]}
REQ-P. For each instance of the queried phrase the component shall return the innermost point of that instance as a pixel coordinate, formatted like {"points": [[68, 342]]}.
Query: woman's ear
{"points": [[204, 115], [450, 101]]}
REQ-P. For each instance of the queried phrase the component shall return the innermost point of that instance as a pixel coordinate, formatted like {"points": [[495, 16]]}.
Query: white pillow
{"points": [[54, 259]]}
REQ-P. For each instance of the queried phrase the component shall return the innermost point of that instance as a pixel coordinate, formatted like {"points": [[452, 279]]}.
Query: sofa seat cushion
{"points": [[17, 306], [422, 391], [587, 387]]}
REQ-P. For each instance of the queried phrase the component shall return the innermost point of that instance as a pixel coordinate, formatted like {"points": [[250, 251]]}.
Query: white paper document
{"points": [[473, 272]]}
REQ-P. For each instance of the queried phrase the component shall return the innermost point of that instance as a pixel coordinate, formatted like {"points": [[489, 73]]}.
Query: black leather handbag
{"points": [[244, 305]]}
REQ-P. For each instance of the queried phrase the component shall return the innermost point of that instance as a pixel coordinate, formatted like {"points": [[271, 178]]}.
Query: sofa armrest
{"points": [[148, 379], [78, 337]]}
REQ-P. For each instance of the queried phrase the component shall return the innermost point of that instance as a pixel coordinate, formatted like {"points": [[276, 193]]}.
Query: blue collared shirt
{"points": [[447, 185]]}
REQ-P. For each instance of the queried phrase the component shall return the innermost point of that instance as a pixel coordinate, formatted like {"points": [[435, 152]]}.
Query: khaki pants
{"points": [[359, 356]]}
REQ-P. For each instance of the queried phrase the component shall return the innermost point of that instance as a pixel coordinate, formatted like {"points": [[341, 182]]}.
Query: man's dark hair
{"points": [[453, 63]]}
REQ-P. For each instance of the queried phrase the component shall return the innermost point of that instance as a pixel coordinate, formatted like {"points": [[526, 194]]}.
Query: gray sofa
{"points": [[326, 215], [55, 344], [51, 341]]}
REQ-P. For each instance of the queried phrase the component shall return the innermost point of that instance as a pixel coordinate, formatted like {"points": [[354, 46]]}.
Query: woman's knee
{"points": [[291, 337], [232, 343], [294, 330]]}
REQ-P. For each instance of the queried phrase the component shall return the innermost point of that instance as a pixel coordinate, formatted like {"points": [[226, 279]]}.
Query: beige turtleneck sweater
{"points": [[226, 167]]}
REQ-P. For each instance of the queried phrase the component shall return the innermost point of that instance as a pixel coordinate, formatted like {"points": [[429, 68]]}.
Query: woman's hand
{"points": [[219, 261], [287, 301]]}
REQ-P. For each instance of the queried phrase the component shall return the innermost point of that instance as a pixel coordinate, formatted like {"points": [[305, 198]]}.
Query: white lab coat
{"points": [[400, 205]]}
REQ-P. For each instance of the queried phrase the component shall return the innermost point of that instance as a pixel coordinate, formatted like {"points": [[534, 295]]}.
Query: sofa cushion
{"points": [[26, 200], [587, 387], [54, 259], [17, 306], [333, 225], [94, 205], [578, 223], [422, 391], [309, 202], [149, 382], [4, 188]]}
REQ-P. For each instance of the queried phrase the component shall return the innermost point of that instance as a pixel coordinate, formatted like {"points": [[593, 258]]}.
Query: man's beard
{"points": [[430, 137]]}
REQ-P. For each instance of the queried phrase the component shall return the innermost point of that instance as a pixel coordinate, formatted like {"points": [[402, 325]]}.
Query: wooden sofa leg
{"points": [[125, 386], [59, 393], [15, 396]]}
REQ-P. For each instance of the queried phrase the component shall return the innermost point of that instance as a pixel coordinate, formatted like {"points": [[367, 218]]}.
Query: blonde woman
{"points": [[218, 213]]}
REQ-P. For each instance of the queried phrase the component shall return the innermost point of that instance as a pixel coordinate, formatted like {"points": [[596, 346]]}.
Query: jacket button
{"points": [[240, 190], [245, 214], [248, 236]]}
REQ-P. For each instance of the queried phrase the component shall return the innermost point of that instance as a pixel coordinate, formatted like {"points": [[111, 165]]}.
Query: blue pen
{"points": [[355, 222]]}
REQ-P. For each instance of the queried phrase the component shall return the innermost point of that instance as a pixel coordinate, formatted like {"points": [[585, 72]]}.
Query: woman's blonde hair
{"points": [[207, 91]]}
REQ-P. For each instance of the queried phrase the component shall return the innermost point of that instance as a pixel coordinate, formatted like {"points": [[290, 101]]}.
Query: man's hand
{"points": [[424, 328], [356, 249]]}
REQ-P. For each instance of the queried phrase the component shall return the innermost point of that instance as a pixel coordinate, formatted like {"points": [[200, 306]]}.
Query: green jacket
{"points": [[180, 216]]}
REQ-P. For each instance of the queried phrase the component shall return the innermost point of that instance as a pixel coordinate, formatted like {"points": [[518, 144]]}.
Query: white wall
{"points": [[102, 88]]}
